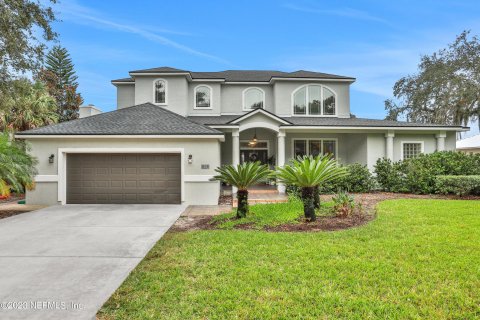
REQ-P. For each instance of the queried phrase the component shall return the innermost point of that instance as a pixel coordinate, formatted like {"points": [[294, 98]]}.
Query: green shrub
{"points": [[357, 179], [459, 185], [418, 175]]}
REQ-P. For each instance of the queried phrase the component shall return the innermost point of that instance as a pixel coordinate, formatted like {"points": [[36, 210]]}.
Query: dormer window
{"points": [[203, 97], [315, 100], [253, 98], [160, 91]]}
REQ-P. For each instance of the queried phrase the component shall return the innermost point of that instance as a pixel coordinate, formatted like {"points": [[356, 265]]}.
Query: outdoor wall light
{"points": [[50, 159], [190, 158]]}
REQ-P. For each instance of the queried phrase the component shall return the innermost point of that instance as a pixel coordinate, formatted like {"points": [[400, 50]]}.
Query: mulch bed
{"points": [[365, 212], [10, 213], [13, 198], [225, 200]]}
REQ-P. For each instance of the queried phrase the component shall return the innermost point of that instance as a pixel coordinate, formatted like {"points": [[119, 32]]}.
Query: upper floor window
{"points": [[203, 97], [314, 100], [253, 98], [160, 91]]}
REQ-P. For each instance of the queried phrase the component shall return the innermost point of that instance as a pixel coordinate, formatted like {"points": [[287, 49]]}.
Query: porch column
{"points": [[389, 144], [235, 151], [441, 140], [281, 156]]}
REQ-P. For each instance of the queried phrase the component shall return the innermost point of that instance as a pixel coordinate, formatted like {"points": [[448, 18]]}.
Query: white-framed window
{"points": [[314, 147], [202, 97], [314, 100], [160, 91], [411, 149], [253, 98]]}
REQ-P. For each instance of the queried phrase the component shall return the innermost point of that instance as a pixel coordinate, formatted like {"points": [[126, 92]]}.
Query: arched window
{"points": [[203, 97], [253, 98], [160, 91], [314, 100]]}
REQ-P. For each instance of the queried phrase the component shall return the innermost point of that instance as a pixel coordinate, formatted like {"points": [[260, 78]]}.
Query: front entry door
{"points": [[251, 155]]}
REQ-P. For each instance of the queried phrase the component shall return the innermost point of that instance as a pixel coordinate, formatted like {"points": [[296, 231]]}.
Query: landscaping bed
{"points": [[10, 213], [289, 217]]}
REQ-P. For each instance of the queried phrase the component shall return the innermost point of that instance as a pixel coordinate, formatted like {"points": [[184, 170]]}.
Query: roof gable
{"points": [[262, 112]]}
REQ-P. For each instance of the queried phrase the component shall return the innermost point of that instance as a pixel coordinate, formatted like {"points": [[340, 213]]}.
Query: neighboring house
{"points": [[173, 127], [469, 145]]}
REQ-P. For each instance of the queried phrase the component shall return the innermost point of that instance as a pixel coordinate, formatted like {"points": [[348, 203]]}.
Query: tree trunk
{"points": [[308, 203], [242, 209], [316, 198]]}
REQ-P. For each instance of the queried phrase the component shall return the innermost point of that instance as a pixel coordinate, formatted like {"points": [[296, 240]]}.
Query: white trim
{"points": [[311, 79], [315, 139], [243, 98], [62, 164], [252, 113], [266, 125], [195, 97], [154, 92], [198, 178], [307, 96], [46, 178], [159, 73], [207, 80], [421, 142], [223, 126], [122, 82], [179, 136], [377, 128]]}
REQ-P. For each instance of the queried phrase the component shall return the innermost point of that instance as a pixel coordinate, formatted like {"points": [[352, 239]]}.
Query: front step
{"points": [[266, 197]]}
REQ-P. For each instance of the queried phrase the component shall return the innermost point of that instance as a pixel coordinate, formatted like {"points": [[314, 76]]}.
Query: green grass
{"points": [[420, 259], [269, 215]]}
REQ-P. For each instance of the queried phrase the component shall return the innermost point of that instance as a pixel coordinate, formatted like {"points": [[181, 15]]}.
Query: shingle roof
{"points": [[130, 79], [143, 119], [320, 121], [245, 75]]}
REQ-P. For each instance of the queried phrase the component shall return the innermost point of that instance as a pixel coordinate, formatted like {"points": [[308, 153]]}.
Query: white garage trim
{"points": [[62, 164]]}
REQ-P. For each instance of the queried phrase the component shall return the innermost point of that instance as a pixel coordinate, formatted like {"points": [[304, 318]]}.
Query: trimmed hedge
{"points": [[459, 185], [358, 179]]}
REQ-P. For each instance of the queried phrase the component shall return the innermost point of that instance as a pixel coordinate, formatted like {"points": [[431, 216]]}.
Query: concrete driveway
{"points": [[63, 262]]}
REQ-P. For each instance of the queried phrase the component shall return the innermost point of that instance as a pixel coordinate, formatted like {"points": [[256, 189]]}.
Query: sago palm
{"points": [[17, 168], [242, 177], [308, 173]]}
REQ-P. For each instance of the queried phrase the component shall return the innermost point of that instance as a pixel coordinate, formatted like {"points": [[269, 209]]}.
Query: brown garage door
{"points": [[123, 178]]}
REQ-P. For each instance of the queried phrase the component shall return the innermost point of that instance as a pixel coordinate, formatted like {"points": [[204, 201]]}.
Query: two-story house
{"points": [[173, 127]]}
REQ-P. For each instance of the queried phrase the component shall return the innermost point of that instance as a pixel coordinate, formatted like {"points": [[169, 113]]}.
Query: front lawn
{"points": [[418, 259]]}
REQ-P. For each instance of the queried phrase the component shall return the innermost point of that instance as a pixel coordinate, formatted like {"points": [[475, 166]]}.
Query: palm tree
{"points": [[308, 173], [242, 176], [17, 168], [27, 106]]}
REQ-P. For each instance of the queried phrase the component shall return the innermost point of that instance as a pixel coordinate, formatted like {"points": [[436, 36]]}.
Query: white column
{"points": [[235, 151], [441, 140], [389, 144], [281, 156]]}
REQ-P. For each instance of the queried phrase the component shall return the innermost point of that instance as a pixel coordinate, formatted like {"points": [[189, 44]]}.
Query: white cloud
{"points": [[341, 12], [72, 11]]}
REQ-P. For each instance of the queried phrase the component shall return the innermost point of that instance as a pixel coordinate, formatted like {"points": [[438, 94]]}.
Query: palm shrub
{"points": [[308, 173], [242, 177], [17, 167]]}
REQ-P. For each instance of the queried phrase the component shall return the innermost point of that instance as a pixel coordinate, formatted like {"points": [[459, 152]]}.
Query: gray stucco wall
{"points": [[215, 102], [204, 151], [226, 98], [232, 101], [125, 95], [177, 98], [283, 97]]}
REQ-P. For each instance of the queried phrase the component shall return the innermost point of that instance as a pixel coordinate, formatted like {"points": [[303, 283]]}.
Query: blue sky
{"points": [[377, 42]]}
